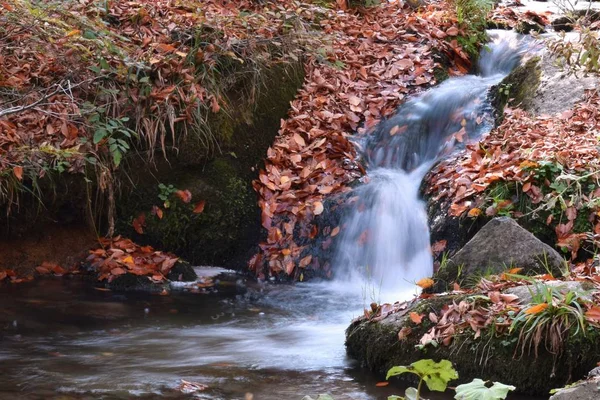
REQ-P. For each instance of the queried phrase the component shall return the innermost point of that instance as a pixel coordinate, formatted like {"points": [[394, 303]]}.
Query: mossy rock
{"points": [[490, 357], [518, 88], [228, 227]]}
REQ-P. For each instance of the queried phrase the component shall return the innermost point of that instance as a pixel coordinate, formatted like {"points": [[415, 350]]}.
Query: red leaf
{"points": [[184, 195], [199, 208]]}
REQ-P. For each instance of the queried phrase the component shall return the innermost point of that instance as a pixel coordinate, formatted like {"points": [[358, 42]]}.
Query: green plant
{"points": [[165, 193], [550, 319], [472, 19], [580, 55], [113, 132], [435, 375], [477, 390]]}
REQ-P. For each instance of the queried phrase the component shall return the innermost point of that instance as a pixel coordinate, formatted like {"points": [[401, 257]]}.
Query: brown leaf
{"points": [[18, 171]]}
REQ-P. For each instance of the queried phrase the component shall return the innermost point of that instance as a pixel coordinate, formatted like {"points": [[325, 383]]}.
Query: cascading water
{"points": [[386, 238]]}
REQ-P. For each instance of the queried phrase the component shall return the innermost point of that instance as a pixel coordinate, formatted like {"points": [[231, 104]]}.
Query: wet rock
{"points": [[181, 272], [587, 390], [564, 24], [500, 245], [527, 27], [497, 357], [559, 90]]}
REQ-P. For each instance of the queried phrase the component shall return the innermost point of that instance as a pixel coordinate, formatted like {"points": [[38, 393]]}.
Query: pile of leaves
{"points": [[511, 17], [488, 308], [376, 60], [547, 164], [119, 256], [72, 72]]}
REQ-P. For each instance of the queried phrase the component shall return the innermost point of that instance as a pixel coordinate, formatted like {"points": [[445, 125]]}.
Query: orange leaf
{"points": [[335, 231], [184, 195], [536, 309], [382, 384], [18, 171], [128, 259], [416, 318], [73, 32], [42, 270], [165, 48], [515, 270], [425, 283], [199, 207], [475, 212], [157, 211], [139, 223], [593, 314]]}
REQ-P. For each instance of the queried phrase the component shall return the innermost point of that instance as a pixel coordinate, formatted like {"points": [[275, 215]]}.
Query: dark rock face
{"points": [[500, 245], [228, 228]]}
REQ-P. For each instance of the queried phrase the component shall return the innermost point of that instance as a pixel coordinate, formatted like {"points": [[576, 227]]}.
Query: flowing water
{"points": [[62, 340], [386, 239]]}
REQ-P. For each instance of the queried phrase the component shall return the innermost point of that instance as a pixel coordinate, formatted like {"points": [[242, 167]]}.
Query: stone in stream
{"points": [[500, 245]]}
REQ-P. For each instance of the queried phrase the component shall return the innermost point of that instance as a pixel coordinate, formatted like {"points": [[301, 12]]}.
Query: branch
{"points": [[59, 88]]}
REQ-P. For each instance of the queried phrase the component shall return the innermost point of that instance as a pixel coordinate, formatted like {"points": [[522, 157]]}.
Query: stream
{"points": [[60, 339]]}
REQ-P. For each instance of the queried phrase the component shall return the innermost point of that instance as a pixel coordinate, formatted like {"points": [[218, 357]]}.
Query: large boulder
{"points": [[500, 245]]}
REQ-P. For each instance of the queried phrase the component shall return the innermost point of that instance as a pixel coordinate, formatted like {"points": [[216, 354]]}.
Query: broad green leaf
{"points": [[477, 390], [435, 375], [398, 370], [99, 135]]}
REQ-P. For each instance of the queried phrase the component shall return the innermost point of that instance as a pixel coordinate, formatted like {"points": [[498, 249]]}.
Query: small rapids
{"points": [[386, 240]]}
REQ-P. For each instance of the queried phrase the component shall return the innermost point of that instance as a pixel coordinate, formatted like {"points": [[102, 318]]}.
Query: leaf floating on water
{"points": [[382, 384]]}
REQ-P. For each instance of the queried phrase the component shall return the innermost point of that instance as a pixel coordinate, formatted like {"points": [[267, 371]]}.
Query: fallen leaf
{"points": [[425, 283], [199, 208], [416, 318]]}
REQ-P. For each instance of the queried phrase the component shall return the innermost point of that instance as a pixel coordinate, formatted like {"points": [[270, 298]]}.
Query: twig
{"points": [[59, 88]]}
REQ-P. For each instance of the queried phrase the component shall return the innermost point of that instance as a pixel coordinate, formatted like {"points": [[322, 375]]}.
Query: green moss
{"points": [[518, 88], [490, 357]]}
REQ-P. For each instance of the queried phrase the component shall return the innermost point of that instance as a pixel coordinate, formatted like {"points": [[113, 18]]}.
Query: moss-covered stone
{"points": [[489, 357], [229, 224], [518, 88]]}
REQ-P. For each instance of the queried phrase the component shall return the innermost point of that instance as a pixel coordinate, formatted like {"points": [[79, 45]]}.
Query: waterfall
{"points": [[386, 237]]}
